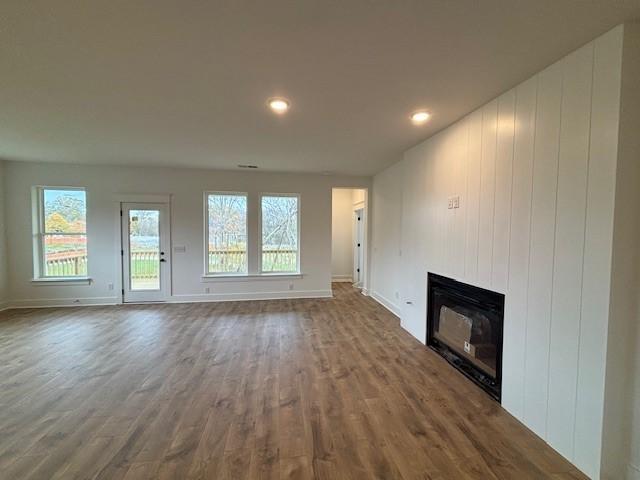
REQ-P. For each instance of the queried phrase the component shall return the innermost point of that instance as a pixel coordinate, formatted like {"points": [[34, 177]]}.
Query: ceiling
{"points": [[185, 83]]}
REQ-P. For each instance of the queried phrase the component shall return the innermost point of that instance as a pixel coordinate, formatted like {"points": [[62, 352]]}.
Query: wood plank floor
{"points": [[286, 389]]}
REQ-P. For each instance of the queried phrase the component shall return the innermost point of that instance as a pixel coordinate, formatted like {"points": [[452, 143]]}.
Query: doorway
{"points": [[146, 257], [349, 236]]}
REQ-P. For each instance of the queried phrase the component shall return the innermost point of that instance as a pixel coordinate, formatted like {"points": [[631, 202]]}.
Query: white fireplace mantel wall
{"points": [[535, 173]]}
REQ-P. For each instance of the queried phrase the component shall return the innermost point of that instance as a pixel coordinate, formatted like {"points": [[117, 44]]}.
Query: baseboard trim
{"points": [[64, 302], [239, 297], [393, 308], [342, 278], [4, 306], [201, 298]]}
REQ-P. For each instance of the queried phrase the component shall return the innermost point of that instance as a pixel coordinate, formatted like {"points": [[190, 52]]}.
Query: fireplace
{"points": [[464, 325]]}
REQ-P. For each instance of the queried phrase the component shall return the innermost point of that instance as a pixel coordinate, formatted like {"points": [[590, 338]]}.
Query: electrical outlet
{"points": [[207, 290], [450, 203], [110, 286], [456, 201], [291, 286]]}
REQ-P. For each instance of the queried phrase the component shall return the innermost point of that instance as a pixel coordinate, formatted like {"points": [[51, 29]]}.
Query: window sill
{"points": [[62, 281], [250, 277]]}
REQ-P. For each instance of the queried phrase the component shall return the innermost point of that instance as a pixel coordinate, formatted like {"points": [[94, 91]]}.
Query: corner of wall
{"points": [[4, 276], [620, 419]]}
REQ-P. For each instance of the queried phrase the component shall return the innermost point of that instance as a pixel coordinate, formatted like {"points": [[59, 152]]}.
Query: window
{"points": [[280, 233], [226, 233], [62, 232]]}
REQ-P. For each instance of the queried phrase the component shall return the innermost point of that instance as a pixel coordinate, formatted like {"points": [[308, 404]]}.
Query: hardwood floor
{"points": [[286, 389]]}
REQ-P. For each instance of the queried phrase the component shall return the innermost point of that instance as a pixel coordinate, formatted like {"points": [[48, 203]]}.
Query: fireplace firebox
{"points": [[464, 325]]}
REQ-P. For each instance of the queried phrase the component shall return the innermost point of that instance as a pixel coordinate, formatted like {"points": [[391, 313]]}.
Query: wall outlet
{"points": [[110, 286], [450, 203], [207, 290], [456, 201], [397, 295], [291, 286]]}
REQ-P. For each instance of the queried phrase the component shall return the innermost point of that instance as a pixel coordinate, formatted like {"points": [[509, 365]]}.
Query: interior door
{"points": [[146, 257], [358, 248]]}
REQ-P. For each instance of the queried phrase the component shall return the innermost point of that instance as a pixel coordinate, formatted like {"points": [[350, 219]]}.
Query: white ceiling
{"points": [[185, 83]]}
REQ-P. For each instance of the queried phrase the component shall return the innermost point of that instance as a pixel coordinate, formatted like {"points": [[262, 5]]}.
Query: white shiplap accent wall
{"points": [[535, 172]]}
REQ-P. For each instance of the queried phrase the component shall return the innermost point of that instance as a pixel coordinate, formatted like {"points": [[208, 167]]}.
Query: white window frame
{"points": [[207, 273], [40, 232], [298, 266]]}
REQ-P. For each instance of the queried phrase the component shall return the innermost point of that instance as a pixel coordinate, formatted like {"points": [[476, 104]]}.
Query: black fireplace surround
{"points": [[464, 325]]}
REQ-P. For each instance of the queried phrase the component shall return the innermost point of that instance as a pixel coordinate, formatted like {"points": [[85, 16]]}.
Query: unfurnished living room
{"points": [[320, 240]]}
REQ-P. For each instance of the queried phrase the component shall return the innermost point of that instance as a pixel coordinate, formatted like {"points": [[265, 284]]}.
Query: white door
{"points": [[146, 257], [358, 248]]}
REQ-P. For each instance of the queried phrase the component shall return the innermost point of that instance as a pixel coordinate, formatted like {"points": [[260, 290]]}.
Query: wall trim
{"points": [[342, 278], [198, 298], [392, 307], [4, 305], [244, 296], [64, 302]]}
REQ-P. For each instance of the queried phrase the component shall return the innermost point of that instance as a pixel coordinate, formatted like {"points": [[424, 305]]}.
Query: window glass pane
{"points": [[144, 249], [65, 211], [279, 234], [65, 255], [227, 224]]}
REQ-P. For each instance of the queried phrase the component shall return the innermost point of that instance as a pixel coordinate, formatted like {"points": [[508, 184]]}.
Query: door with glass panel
{"points": [[146, 258]]}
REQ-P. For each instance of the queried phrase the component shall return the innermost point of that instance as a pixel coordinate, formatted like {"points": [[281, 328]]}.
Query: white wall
{"points": [[342, 234], [386, 225], [186, 187], [535, 173], [4, 285], [622, 412]]}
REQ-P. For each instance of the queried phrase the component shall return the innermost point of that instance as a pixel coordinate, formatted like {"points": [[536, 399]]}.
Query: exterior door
{"points": [[146, 257]]}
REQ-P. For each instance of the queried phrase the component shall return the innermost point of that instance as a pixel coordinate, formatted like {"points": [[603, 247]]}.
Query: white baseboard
{"points": [[64, 302], [206, 297], [342, 278], [633, 472], [392, 307], [235, 297], [4, 305]]}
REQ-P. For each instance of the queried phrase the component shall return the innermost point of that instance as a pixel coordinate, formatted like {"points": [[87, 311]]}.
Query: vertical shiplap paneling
{"points": [[504, 169], [487, 193], [516, 298], [569, 243], [447, 171], [458, 240], [473, 195], [597, 251], [542, 240]]}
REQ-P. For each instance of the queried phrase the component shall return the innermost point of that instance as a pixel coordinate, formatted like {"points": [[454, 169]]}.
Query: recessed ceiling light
{"points": [[420, 117], [279, 105]]}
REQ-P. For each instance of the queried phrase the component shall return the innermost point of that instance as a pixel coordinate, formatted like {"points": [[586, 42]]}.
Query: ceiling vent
{"points": [[247, 166]]}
